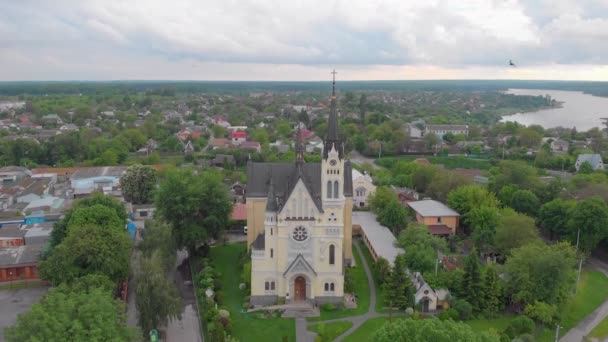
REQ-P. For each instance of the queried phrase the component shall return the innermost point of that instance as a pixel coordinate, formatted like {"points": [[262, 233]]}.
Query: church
{"points": [[299, 219]]}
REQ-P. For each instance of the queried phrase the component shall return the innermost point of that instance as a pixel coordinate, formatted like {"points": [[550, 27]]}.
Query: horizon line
{"points": [[303, 81]]}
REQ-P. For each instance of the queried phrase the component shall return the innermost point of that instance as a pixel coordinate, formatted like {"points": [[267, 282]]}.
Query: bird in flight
{"points": [[511, 63]]}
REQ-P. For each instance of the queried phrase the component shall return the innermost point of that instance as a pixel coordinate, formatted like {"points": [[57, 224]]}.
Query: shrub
{"points": [[217, 284], [219, 297], [519, 326], [409, 312], [464, 308], [328, 307], [223, 313]]}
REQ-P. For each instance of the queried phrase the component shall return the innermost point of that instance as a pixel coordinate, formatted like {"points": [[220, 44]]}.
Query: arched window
{"points": [[272, 286], [336, 189], [331, 287], [326, 287], [328, 189], [332, 254], [271, 253], [266, 286]]}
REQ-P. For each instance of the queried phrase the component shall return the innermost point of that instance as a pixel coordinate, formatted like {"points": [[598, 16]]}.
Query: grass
{"points": [[601, 330], [245, 327], [448, 162], [367, 329], [370, 263], [330, 331], [499, 324], [361, 288]]}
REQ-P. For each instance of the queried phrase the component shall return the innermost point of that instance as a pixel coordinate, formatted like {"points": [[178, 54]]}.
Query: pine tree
{"points": [[491, 292], [471, 282], [395, 288]]}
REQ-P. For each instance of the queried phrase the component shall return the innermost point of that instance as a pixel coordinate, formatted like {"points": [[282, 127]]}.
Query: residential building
{"points": [[238, 137], [441, 130], [362, 188], [87, 180], [429, 299], [559, 146], [299, 224], [440, 219], [220, 143], [13, 173], [413, 130], [594, 159], [252, 145]]}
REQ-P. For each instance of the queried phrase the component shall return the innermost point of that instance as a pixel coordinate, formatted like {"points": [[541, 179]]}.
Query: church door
{"points": [[300, 289]]}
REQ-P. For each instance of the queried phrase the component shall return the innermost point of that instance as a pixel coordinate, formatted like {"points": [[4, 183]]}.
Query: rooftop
{"points": [[380, 237], [239, 212], [105, 171], [12, 256], [432, 208]]}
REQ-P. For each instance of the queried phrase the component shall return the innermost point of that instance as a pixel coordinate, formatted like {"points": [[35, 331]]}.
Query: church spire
{"points": [[299, 146], [271, 202], [332, 140]]}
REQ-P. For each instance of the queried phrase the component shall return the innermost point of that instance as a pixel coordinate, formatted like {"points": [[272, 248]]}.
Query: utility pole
{"points": [[578, 235], [557, 333]]}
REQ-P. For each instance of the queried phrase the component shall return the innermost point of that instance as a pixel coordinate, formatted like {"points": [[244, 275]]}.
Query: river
{"points": [[578, 109]]}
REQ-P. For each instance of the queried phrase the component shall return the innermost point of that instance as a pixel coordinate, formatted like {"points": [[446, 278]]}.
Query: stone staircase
{"points": [[301, 312]]}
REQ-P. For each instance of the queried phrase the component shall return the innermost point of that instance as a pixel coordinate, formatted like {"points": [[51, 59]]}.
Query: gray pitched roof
{"points": [[593, 159], [432, 208], [259, 243], [285, 177]]}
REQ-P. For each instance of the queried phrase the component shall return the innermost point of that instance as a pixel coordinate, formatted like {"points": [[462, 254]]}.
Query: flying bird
{"points": [[511, 63]]}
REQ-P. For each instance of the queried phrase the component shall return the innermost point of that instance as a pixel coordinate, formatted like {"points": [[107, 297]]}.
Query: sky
{"points": [[303, 40]]}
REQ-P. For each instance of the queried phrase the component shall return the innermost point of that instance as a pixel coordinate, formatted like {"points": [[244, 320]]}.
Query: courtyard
{"points": [[16, 301]]}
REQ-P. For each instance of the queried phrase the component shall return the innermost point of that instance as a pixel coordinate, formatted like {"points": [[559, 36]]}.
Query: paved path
{"points": [[360, 159], [584, 327]]}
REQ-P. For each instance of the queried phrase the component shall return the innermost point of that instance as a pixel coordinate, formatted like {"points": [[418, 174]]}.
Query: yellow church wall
{"points": [[255, 218], [348, 229]]}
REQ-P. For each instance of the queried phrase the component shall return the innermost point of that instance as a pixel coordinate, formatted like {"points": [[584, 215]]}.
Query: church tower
{"points": [[332, 163]]}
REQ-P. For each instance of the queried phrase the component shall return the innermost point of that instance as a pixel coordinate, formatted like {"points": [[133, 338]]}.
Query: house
{"points": [[314, 144], [34, 189], [281, 147], [238, 137], [441, 130], [440, 219], [220, 120], [362, 188], [21, 262], [252, 145], [11, 235], [143, 211], [68, 128], [413, 131], [37, 233], [223, 160], [52, 118], [594, 159], [237, 128], [239, 212], [108, 113], [220, 143], [188, 147], [87, 180], [559, 146], [405, 195], [13, 173], [428, 299]]}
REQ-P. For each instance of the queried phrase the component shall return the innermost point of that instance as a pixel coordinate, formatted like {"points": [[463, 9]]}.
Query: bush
{"points": [[409, 312], [219, 297], [328, 307], [381, 269], [348, 281], [464, 309], [450, 313], [217, 284], [519, 326], [223, 313]]}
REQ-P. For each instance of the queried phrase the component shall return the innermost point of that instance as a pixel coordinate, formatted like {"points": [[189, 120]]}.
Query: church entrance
{"points": [[300, 289]]}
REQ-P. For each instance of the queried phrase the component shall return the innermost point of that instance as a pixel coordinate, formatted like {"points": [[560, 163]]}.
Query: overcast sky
{"points": [[303, 40]]}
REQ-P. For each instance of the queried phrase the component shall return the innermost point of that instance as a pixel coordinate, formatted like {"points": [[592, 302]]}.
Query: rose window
{"points": [[300, 233]]}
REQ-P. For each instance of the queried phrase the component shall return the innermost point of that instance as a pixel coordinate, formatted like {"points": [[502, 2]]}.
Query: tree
{"points": [[430, 330], [382, 270], [430, 141], [138, 184], [525, 202], [554, 216], [303, 117], [87, 250], [159, 238], [591, 217], [530, 138], [515, 173], [539, 272], [196, 205], [60, 227], [65, 315], [396, 285], [445, 181], [362, 107], [423, 176], [541, 312], [483, 221], [98, 215], [421, 248], [466, 198], [390, 212], [585, 168], [491, 300], [472, 282], [514, 230], [520, 325], [157, 299]]}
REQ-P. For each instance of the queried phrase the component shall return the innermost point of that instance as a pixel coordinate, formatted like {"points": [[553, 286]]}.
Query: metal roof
{"points": [[380, 237], [432, 208]]}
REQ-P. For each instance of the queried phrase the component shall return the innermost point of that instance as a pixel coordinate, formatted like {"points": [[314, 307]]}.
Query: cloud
{"points": [[98, 37]]}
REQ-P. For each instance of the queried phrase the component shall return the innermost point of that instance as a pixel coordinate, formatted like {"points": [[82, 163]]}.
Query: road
{"points": [[360, 159]]}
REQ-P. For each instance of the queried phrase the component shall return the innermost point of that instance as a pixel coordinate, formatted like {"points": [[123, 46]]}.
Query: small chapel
{"points": [[299, 219]]}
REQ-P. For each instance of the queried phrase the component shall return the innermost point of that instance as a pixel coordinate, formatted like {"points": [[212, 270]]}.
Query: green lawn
{"points": [[499, 324], [367, 329], [361, 287], [370, 263], [245, 327], [329, 331], [601, 331]]}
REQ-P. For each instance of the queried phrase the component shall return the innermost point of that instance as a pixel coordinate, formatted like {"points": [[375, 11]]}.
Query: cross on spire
{"points": [[333, 84]]}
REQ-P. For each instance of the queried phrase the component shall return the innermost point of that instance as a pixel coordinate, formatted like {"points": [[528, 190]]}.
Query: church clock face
{"points": [[300, 233], [333, 162]]}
